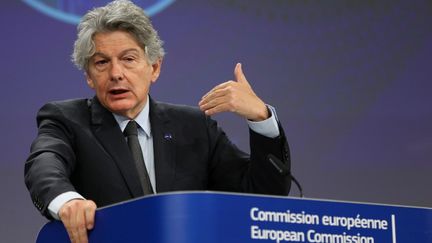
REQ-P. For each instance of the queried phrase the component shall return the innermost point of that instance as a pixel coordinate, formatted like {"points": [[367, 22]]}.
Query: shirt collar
{"points": [[142, 119]]}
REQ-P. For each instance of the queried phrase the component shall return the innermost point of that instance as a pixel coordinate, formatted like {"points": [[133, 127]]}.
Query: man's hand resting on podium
{"points": [[78, 216]]}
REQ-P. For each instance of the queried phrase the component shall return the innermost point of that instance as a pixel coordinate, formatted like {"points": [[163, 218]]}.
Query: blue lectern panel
{"points": [[219, 217]]}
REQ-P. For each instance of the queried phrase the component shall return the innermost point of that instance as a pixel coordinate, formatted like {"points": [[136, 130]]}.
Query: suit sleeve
{"points": [[52, 159], [233, 170]]}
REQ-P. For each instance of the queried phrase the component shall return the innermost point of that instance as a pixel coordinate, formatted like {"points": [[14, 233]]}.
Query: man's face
{"points": [[120, 74]]}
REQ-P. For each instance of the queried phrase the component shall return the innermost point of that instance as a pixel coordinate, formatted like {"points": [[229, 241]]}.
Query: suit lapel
{"points": [[108, 133], [163, 147]]}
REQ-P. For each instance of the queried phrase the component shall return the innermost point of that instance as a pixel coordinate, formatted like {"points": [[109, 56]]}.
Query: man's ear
{"points": [[90, 82], [156, 70]]}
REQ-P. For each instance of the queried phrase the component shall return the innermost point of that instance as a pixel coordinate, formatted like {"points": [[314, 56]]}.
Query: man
{"points": [[81, 156]]}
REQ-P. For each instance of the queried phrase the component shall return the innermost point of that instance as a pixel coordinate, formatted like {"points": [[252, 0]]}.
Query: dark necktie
{"points": [[131, 132]]}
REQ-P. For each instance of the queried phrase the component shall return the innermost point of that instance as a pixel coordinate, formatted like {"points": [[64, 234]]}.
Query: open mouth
{"points": [[118, 91]]}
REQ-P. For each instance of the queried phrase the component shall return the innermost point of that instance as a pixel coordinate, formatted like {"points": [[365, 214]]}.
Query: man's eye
{"points": [[129, 59], [100, 62]]}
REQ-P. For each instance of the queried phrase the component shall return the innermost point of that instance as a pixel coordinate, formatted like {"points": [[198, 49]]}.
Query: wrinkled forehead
{"points": [[114, 42]]}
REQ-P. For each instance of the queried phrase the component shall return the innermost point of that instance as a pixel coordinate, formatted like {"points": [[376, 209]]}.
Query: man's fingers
{"points": [[239, 75], [82, 234], [217, 87], [90, 214], [75, 218], [80, 224], [65, 216], [213, 95], [78, 216], [218, 109], [75, 237], [213, 103]]}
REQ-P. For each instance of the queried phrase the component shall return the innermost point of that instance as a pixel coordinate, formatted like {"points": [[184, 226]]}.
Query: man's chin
{"points": [[124, 107], [121, 109]]}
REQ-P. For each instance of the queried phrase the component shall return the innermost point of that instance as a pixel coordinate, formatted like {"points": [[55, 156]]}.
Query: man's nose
{"points": [[116, 71]]}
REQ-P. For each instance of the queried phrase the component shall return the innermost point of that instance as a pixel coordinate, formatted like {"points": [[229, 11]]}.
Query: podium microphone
{"points": [[283, 170]]}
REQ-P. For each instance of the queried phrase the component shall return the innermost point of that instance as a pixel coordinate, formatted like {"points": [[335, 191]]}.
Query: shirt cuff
{"points": [[269, 127], [60, 200]]}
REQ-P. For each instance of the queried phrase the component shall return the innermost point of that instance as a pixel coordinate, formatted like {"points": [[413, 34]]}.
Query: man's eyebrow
{"points": [[99, 54], [121, 53], [129, 50]]}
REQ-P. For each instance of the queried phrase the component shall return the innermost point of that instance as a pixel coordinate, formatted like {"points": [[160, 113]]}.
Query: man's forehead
{"points": [[115, 43], [114, 38]]}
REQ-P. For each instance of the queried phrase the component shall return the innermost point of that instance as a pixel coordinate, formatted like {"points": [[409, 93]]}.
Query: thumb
{"points": [[239, 75]]}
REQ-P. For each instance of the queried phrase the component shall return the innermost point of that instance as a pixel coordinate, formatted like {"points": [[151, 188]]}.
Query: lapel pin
{"points": [[167, 136]]}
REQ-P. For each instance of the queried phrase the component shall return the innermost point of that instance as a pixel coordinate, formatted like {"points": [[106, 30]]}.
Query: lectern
{"points": [[208, 217]]}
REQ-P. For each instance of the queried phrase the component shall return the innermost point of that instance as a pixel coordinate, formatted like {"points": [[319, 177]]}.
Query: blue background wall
{"points": [[351, 81]]}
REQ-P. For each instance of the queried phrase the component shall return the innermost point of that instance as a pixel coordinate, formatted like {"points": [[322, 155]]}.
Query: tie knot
{"points": [[131, 129]]}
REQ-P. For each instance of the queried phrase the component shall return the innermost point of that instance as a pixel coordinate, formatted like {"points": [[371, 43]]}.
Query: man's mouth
{"points": [[118, 91]]}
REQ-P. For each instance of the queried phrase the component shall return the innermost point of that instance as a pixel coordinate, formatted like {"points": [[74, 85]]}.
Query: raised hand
{"points": [[235, 96]]}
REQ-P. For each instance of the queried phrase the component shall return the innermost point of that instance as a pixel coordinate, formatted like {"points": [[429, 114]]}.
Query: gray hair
{"points": [[117, 15]]}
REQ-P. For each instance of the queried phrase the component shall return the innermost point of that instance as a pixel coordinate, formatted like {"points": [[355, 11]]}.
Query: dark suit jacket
{"points": [[80, 147]]}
